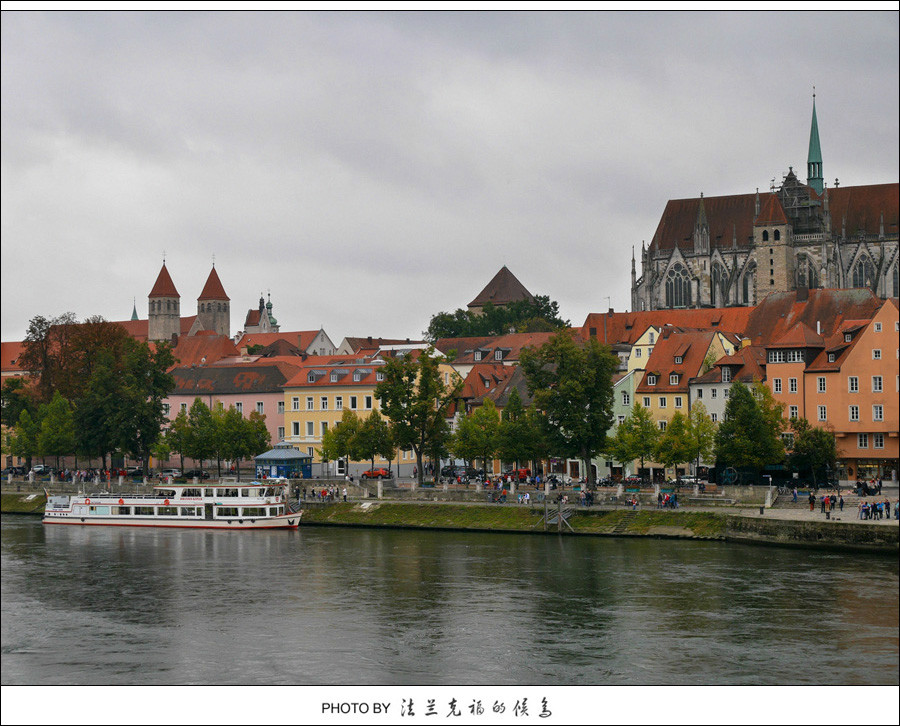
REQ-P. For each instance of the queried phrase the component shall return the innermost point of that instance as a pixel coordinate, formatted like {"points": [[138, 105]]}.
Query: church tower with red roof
{"points": [[214, 306], [165, 308]]}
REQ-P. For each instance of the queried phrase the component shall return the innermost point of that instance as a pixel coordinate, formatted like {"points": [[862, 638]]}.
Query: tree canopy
{"points": [[572, 385], [521, 316]]}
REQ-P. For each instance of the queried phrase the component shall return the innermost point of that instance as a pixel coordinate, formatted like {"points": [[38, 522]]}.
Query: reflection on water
{"points": [[111, 605]]}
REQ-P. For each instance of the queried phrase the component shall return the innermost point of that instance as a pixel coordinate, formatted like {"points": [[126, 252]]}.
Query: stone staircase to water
{"points": [[625, 522]]}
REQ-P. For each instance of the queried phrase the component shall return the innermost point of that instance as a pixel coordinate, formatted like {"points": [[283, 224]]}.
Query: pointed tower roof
{"points": [[814, 160], [213, 289], [815, 150], [771, 212], [503, 288], [134, 315], [164, 287]]}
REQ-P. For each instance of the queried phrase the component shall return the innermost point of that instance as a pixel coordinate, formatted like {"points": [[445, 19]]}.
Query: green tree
{"points": [[635, 437], [673, 446], [415, 399], [749, 437], [57, 435], [25, 440], [701, 434], [477, 435], [95, 409], [572, 385], [539, 314], [340, 442], [519, 439], [15, 398], [374, 438], [201, 442], [814, 451], [145, 383], [178, 436]]}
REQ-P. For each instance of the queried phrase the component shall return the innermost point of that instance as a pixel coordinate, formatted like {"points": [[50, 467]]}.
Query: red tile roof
{"points": [[302, 338], [727, 217], [10, 353], [203, 349], [862, 207], [615, 327], [213, 289], [824, 310], [164, 287], [691, 344]]}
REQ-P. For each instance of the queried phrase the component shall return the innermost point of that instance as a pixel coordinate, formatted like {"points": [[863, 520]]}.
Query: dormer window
{"points": [[726, 374], [311, 378], [477, 355], [334, 377], [679, 359], [831, 358], [379, 376], [651, 380], [673, 379], [498, 355], [357, 376], [848, 337]]}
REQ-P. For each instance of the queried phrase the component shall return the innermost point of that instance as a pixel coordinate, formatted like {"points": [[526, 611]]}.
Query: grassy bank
{"points": [[22, 503], [516, 519]]}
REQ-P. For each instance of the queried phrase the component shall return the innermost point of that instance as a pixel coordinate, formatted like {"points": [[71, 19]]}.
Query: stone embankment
{"points": [[794, 527]]}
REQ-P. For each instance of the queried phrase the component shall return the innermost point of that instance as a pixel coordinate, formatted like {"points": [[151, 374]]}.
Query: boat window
{"points": [[98, 510], [121, 510], [167, 511], [144, 510], [227, 492], [228, 511], [208, 493], [188, 512], [254, 511], [165, 493], [245, 492], [190, 493]]}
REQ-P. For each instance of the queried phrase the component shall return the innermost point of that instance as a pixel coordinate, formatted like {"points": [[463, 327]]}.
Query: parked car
{"points": [[166, 473], [199, 473], [40, 469], [376, 474], [517, 474], [134, 471]]}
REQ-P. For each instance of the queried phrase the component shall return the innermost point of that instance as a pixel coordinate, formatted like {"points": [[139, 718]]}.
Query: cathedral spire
{"points": [[814, 159]]}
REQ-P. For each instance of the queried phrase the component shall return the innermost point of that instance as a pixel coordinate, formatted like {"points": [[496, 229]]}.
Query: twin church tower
{"points": [[165, 321]]}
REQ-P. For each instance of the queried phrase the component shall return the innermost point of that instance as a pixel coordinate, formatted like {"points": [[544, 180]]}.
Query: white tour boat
{"points": [[227, 505]]}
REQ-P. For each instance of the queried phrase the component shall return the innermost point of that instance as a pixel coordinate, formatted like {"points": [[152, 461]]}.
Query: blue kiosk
{"points": [[284, 461]]}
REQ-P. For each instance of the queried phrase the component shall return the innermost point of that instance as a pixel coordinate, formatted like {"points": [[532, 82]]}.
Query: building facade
{"points": [[736, 249]]}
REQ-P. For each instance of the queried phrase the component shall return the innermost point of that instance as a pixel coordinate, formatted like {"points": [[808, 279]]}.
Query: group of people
{"points": [[667, 501], [876, 510], [325, 494], [829, 503]]}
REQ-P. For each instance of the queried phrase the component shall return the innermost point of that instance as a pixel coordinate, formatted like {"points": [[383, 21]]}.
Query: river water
{"points": [[116, 605]]}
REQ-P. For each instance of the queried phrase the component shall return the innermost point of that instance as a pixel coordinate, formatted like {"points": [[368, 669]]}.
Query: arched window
{"points": [[864, 272], [765, 235], [807, 276], [678, 287], [896, 282], [748, 285], [718, 285], [777, 234]]}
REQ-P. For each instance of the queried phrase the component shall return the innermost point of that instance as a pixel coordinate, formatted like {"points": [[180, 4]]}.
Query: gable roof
{"points": [[691, 345], [203, 349], [503, 288]]}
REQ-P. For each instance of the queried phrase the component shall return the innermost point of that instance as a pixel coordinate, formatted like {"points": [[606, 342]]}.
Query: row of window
{"points": [[797, 356], [338, 403], [143, 511], [862, 441]]}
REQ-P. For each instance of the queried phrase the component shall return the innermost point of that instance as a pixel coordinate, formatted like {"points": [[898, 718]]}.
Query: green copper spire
{"points": [[814, 160], [134, 315]]}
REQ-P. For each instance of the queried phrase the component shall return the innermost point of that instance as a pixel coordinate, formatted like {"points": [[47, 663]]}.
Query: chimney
{"points": [[818, 327], [369, 339], [802, 294]]}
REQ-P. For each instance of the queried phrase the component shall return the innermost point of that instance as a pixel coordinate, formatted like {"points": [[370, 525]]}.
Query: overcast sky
{"points": [[372, 169]]}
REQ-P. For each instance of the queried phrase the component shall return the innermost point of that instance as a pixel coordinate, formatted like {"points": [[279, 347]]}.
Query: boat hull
{"points": [[285, 521]]}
